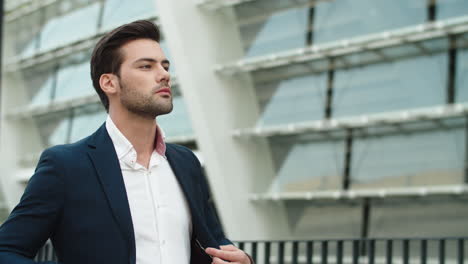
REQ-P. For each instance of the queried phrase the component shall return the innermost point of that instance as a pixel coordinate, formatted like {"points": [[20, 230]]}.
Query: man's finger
{"points": [[229, 248], [218, 261], [225, 254]]}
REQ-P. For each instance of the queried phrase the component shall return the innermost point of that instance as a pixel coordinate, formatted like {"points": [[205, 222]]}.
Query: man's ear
{"points": [[109, 83]]}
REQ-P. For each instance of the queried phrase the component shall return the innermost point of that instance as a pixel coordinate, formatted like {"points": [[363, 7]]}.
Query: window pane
{"points": [[53, 129], [39, 84], [84, 125], [451, 8], [176, 123], [307, 165], [417, 159], [417, 82], [74, 81], [292, 100], [462, 76], [73, 26], [341, 19], [281, 31], [118, 12]]}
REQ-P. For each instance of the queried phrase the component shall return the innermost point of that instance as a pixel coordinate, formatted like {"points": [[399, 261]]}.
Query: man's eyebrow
{"points": [[165, 61]]}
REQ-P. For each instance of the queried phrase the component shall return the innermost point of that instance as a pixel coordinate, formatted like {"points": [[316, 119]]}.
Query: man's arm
{"points": [[33, 220], [227, 252]]}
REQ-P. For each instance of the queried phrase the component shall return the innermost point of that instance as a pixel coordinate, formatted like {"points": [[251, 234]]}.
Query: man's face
{"points": [[144, 79]]}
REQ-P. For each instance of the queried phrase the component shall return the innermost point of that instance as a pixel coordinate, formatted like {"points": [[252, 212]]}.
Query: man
{"points": [[121, 195]]}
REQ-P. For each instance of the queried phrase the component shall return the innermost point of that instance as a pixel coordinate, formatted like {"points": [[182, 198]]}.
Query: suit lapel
{"points": [[105, 161]]}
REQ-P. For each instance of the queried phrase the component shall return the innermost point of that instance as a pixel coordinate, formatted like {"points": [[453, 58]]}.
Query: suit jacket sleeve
{"points": [[33, 220], [208, 211]]}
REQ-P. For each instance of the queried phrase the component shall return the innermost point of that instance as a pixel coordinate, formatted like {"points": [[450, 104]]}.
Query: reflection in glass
{"points": [[44, 94], [84, 125], [74, 81], [118, 12], [71, 27], [59, 134], [308, 166], [462, 76], [294, 100], [282, 31], [417, 82], [451, 8], [176, 123], [335, 20], [420, 159]]}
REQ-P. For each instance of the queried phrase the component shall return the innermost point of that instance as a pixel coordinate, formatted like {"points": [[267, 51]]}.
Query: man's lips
{"points": [[164, 90]]}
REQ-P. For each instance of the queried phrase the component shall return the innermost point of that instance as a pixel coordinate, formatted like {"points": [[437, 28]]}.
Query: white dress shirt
{"points": [[160, 214]]}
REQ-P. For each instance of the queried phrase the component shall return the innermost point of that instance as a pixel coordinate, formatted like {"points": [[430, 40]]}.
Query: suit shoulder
{"points": [[64, 150], [179, 148], [182, 150]]}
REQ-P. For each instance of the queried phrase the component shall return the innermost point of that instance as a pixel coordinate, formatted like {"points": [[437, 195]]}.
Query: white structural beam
{"points": [[360, 194], [388, 119], [234, 169], [374, 42], [16, 63], [216, 4]]}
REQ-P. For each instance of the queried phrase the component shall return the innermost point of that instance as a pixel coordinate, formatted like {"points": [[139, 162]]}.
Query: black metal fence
{"points": [[344, 251], [359, 251]]}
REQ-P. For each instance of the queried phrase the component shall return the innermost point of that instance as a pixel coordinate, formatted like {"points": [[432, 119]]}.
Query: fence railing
{"points": [[345, 251], [359, 251]]}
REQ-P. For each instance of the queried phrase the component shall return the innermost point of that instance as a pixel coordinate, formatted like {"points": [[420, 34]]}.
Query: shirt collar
{"points": [[123, 146]]}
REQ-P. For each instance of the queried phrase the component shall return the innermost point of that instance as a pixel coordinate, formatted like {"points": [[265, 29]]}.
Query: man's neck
{"points": [[140, 131]]}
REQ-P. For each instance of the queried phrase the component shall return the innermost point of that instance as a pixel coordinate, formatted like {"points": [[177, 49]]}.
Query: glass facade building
{"points": [[337, 118]]}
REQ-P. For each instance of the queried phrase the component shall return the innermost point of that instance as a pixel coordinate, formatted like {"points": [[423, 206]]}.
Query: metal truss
{"points": [[375, 43], [60, 106], [395, 119], [339, 195], [18, 63], [217, 4]]}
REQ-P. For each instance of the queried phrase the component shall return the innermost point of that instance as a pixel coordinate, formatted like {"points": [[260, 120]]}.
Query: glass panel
{"points": [[431, 217], [462, 76], [270, 35], [417, 82], [420, 159], [74, 81], [294, 100], [44, 94], [307, 166], [85, 124], [451, 8], [25, 34], [73, 26], [39, 84], [53, 129], [118, 12], [176, 123], [341, 19]]}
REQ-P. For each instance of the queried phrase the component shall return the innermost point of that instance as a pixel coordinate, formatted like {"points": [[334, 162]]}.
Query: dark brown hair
{"points": [[107, 57]]}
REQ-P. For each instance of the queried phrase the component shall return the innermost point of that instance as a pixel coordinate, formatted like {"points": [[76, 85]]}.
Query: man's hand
{"points": [[228, 254]]}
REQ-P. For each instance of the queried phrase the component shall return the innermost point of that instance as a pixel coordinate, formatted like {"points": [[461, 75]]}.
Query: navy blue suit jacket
{"points": [[77, 198]]}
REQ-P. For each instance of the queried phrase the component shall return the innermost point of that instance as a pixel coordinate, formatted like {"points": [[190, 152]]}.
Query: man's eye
{"points": [[166, 68], [147, 66]]}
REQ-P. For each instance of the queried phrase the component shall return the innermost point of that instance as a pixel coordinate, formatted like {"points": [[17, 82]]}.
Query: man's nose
{"points": [[163, 75]]}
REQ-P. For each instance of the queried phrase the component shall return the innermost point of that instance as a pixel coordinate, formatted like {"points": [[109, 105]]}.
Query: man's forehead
{"points": [[140, 48]]}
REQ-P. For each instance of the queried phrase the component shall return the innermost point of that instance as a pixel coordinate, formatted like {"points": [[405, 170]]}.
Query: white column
{"points": [[199, 39]]}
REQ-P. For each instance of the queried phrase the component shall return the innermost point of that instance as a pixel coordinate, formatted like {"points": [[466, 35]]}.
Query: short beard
{"points": [[144, 105]]}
